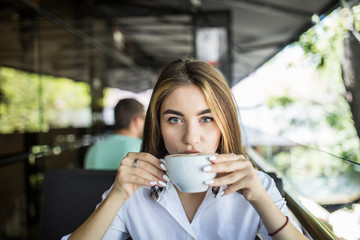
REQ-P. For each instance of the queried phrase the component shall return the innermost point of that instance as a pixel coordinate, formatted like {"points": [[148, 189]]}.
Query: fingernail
{"points": [[221, 193], [163, 166], [166, 177], [162, 183], [212, 158], [210, 181], [207, 168], [153, 182]]}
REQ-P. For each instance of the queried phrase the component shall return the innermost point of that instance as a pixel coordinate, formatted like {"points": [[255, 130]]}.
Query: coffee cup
{"points": [[186, 171]]}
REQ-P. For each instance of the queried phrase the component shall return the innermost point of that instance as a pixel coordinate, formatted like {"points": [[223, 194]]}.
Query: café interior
{"points": [[120, 45]]}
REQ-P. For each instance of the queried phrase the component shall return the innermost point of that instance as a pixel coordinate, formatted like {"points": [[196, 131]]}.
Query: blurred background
{"points": [[293, 67]]}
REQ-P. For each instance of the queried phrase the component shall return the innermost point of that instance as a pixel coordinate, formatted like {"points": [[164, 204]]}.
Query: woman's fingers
{"points": [[250, 187], [144, 180], [138, 169], [227, 163], [227, 157], [146, 167], [230, 178], [142, 169], [148, 172], [235, 172], [146, 157], [230, 168], [247, 184], [136, 180]]}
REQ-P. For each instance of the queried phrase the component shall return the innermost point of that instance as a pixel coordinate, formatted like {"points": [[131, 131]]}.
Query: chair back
{"points": [[69, 198]]}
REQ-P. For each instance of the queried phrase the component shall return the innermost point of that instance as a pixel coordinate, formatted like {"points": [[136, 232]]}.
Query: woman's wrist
{"points": [[280, 229], [258, 197], [119, 196]]}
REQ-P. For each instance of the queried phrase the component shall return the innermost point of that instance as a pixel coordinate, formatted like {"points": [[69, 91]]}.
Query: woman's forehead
{"points": [[185, 97]]}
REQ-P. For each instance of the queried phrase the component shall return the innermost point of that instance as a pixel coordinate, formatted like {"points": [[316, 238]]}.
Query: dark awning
{"points": [[76, 38]]}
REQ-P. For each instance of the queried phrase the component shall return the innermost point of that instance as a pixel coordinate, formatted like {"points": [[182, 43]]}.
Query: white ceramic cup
{"points": [[186, 171]]}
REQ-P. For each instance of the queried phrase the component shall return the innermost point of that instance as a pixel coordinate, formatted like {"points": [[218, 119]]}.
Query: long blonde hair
{"points": [[184, 72]]}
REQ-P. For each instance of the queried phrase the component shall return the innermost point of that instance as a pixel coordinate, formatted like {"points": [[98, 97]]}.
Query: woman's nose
{"points": [[191, 134]]}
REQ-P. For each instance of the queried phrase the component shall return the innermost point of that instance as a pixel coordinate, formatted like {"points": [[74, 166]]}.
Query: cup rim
{"points": [[189, 154]]}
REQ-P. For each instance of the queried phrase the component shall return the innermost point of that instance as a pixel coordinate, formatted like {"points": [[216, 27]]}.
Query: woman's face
{"points": [[187, 124]]}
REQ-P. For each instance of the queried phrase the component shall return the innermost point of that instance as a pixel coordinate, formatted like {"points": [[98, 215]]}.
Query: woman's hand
{"points": [[147, 172], [238, 174]]}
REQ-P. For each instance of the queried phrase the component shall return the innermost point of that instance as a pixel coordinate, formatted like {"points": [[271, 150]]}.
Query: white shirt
{"points": [[225, 217]]}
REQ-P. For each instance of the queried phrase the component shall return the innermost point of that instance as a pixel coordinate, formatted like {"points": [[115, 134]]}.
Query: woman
{"points": [[191, 110]]}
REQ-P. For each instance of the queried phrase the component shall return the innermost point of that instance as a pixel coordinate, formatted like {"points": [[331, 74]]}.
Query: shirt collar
{"points": [[156, 192]]}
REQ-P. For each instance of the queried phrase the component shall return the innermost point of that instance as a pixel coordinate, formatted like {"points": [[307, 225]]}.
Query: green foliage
{"points": [[335, 121], [304, 122], [283, 101], [356, 17], [322, 44], [308, 43], [27, 100], [302, 162]]}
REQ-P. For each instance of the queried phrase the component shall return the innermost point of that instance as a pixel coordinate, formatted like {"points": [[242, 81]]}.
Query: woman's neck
{"points": [[190, 202]]}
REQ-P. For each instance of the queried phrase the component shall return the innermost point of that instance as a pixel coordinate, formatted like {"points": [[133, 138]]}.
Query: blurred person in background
{"points": [[129, 122]]}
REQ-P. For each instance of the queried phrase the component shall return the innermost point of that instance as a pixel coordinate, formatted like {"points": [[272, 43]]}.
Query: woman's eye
{"points": [[206, 119], [174, 120]]}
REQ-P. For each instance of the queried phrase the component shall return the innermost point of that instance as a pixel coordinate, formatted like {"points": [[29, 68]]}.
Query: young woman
{"points": [[191, 110]]}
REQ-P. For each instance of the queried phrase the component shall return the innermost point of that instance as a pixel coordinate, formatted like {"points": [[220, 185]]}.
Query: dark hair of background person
{"points": [[127, 110]]}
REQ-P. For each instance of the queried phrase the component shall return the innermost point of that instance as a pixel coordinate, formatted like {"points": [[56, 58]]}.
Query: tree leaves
{"points": [[24, 108]]}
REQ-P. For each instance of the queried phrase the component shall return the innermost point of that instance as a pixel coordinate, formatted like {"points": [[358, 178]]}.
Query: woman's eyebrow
{"points": [[170, 111], [206, 111]]}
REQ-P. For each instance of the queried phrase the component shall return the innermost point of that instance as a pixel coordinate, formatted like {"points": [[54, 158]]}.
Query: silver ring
{"points": [[136, 163]]}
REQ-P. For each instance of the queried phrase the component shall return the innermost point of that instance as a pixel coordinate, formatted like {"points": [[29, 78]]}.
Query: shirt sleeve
{"points": [[279, 201], [116, 230]]}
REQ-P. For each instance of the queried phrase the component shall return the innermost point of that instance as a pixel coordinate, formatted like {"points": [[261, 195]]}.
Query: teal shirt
{"points": [[107, 154]]}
